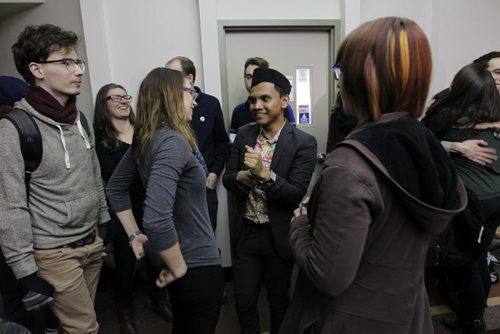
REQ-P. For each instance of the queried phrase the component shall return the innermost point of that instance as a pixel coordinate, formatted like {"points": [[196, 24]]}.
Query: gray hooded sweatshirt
{"points": [[66, 199]]}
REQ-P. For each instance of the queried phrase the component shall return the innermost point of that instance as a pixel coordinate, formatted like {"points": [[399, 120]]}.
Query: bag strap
{"points": [[30, 140], [85, 123]]}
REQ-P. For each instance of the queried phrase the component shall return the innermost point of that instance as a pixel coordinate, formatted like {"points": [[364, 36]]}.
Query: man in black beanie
{"points": [[11, 90], [269, 170]]}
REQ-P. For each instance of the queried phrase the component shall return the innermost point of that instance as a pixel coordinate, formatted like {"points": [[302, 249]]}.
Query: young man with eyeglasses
{"points": [[49, 237], [208, 125], [241, 114]]}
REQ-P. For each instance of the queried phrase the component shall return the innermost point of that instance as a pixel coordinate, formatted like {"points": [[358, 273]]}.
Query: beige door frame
{"points": [[332, 27]]}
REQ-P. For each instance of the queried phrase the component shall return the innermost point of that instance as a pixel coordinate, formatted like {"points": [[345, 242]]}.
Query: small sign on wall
{"points": [[304, 114], [303, 94]]}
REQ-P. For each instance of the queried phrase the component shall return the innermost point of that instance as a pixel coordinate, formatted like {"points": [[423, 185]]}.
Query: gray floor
{"points": [[149, 323]]}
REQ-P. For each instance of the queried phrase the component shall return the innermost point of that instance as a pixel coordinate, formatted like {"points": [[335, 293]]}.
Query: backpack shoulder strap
{"points": [[30, 139], [85, 123]]}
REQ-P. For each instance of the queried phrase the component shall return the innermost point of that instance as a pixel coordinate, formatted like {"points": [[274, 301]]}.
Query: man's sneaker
{"points": [[492, 259], [494, 276], [455, 326]]}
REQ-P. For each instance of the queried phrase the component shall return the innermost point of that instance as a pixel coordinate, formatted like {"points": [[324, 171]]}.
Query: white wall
{"points": [[128, 38], [419, 11], [64, 13], [133, 37], [125, 39], [462, 30], [276, 9], [459, 31]]}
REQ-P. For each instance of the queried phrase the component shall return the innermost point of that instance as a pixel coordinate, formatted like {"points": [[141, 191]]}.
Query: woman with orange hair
{"points": [[361, 242]]}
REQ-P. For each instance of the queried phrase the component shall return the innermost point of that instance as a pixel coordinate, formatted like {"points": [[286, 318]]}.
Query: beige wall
{"points": [[462, 30], [459, 30], [125, 39]]}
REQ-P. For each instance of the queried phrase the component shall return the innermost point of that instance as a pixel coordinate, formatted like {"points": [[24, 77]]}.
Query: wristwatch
{"points": [[265, 184], [134, 235]]}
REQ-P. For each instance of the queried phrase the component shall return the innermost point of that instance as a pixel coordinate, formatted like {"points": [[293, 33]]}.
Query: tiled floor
{"points": [[149, 323], [439, 310]]}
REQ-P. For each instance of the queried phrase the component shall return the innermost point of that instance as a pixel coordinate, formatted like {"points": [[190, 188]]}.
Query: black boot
{"points": [[125, 312], [475, 325], [160, 303], [454, 326]]}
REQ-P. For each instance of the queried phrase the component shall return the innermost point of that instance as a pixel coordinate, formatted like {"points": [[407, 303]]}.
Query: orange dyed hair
{"points": [[386, 67]]}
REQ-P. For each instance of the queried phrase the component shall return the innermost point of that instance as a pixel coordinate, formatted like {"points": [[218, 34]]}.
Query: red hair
{"points": [[386, 67]]}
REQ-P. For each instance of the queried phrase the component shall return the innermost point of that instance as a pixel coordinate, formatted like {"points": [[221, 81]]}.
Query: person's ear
{"points": [[285, 100], [190, 78], [36, 69]]}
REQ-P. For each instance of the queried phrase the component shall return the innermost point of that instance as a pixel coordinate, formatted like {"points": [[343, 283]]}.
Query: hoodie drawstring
{"points": [[63, 141]]}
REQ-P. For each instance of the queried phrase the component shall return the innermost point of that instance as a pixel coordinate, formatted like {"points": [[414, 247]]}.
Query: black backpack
{"points": [[461, 241], [31, 140]]}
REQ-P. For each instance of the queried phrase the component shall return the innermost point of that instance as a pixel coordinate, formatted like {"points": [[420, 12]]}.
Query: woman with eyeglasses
{"points": [[360, 241], [114, 126], [176, 222]]}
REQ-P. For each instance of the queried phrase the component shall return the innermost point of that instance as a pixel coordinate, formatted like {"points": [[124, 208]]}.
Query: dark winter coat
{"points": [[361, 249]]}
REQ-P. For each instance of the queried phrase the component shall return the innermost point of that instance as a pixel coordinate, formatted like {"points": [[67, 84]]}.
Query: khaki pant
{"points": [[74, 273]]}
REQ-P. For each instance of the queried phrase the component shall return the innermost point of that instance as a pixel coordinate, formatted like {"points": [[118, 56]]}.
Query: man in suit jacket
{"points": [[269, 170], [211, 135], [241, 114]]}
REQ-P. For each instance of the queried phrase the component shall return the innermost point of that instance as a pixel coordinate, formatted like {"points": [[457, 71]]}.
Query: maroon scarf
{"points": [[43, 102]]}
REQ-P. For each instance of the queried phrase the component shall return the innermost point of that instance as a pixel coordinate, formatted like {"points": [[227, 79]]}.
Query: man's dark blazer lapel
{"points": [[283, 140]]}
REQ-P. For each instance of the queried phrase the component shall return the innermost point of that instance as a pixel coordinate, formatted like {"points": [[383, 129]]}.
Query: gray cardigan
{"points": [[175, 208]]}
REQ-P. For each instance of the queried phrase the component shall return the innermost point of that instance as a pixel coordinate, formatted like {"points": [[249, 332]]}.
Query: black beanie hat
{"points": [[270, 75], [11, 90]]}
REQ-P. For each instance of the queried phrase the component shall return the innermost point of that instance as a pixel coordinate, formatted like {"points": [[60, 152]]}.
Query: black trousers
{"points": [[212, 203], [256, 261], [12, 297], [196, 300], [125, 265], [36, 321], [474, 280]]}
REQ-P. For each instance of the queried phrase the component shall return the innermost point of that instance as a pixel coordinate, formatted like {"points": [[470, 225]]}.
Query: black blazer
{"points": [[208, 126], [293, 163]]}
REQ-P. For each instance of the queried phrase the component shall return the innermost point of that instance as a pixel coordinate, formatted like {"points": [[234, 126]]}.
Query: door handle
{"points": [[321, 158]]}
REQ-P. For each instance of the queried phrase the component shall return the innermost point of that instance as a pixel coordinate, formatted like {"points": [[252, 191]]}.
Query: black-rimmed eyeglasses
{"points": [[337, 73], [71, 64], [119, 98], [192, 91]]}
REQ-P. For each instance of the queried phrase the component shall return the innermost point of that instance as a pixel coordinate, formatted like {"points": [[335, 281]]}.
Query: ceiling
{"points": [[9, 8]]}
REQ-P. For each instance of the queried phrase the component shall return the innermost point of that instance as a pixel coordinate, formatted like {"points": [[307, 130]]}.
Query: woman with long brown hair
{"points": [[361, 242], [176, 220], [114, 121], [471, 105]]}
